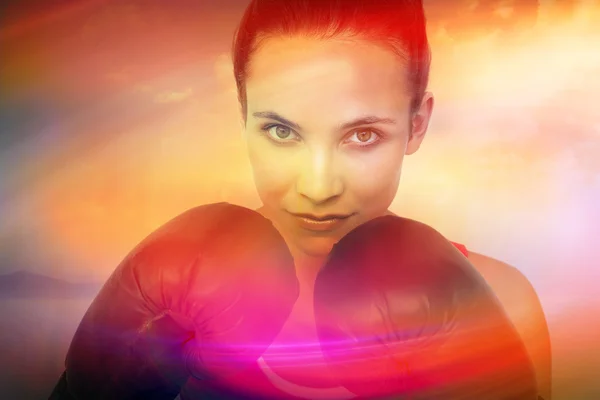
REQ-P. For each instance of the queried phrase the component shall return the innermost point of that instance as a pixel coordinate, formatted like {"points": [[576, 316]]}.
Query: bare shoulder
{"points": [[509, 284], [512, 288], [522, 305]]}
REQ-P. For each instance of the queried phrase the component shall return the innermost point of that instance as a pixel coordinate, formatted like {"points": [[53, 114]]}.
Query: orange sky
{"points": [[511, 145]]}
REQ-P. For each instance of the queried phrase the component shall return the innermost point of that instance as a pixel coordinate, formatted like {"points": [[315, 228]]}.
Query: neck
{"points": [[307, 269]]}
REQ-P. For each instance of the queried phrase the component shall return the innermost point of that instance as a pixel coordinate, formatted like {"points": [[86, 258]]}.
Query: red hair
{"points": [[399, 25]]}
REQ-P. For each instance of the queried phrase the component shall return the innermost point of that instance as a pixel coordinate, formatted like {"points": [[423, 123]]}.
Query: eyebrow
{"points": [[277, 117], [368, 120]]}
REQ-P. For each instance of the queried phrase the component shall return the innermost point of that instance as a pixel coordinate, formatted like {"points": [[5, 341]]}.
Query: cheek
{"points": [[272, 169], [372, 179]]}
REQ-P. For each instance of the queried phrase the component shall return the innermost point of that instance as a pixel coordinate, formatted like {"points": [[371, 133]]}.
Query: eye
{"points": [[280, 133], [363, 137]]}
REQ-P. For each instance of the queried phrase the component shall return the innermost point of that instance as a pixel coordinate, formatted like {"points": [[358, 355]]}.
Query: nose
{"points": [[318, 180]]}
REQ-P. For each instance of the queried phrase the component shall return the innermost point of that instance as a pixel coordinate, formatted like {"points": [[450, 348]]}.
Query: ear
{"points": [[419, 124]]}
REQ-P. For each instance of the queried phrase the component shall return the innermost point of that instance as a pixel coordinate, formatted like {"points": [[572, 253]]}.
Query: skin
{"points": [[302, 94]]}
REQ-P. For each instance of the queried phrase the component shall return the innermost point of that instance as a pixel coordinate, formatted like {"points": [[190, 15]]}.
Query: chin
{"points": [[317, 246]]}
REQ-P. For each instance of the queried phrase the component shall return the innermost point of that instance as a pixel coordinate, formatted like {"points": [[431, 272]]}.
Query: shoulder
{"points": [[499, 273], [522, 305], [513, 289]]}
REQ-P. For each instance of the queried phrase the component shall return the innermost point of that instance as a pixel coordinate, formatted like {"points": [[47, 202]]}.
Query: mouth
{"points": [[320, 223]]}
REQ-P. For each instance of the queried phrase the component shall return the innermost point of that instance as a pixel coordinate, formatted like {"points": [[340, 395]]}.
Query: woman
{"points": [[333, 96]]}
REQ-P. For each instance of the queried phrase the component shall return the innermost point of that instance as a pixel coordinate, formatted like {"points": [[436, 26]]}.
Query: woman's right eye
{"points": [[280, 133]]}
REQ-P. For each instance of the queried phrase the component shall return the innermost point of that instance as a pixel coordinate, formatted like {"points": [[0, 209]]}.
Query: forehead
{"points": [[306, 74]]}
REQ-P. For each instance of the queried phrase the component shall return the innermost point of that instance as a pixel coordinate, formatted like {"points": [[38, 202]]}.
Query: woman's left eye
{"points": [[364, 137]]}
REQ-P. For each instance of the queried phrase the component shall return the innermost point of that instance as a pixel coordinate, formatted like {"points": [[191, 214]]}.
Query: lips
{"points": [[322, 223]]}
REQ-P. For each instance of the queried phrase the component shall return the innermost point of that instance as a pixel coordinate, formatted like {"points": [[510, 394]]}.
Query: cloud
{"points": [[173, 96], [223, 68], [143, 88]]}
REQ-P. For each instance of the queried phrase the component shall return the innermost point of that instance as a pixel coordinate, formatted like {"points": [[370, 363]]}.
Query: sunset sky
{"points": [[116, 116]]}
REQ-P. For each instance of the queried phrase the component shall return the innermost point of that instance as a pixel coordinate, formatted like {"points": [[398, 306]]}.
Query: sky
{"points": [[117, 116]]}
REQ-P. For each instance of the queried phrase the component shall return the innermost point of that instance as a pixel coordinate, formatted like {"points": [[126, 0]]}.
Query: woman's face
{"points": [[328, 125]]}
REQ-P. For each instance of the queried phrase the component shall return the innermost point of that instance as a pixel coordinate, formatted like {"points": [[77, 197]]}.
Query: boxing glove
{"points": [[402, 314], [200, 298]]}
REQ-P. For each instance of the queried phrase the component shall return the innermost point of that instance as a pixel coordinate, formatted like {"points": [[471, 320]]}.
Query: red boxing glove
{"points": [[401, 312], [201, 297]]}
